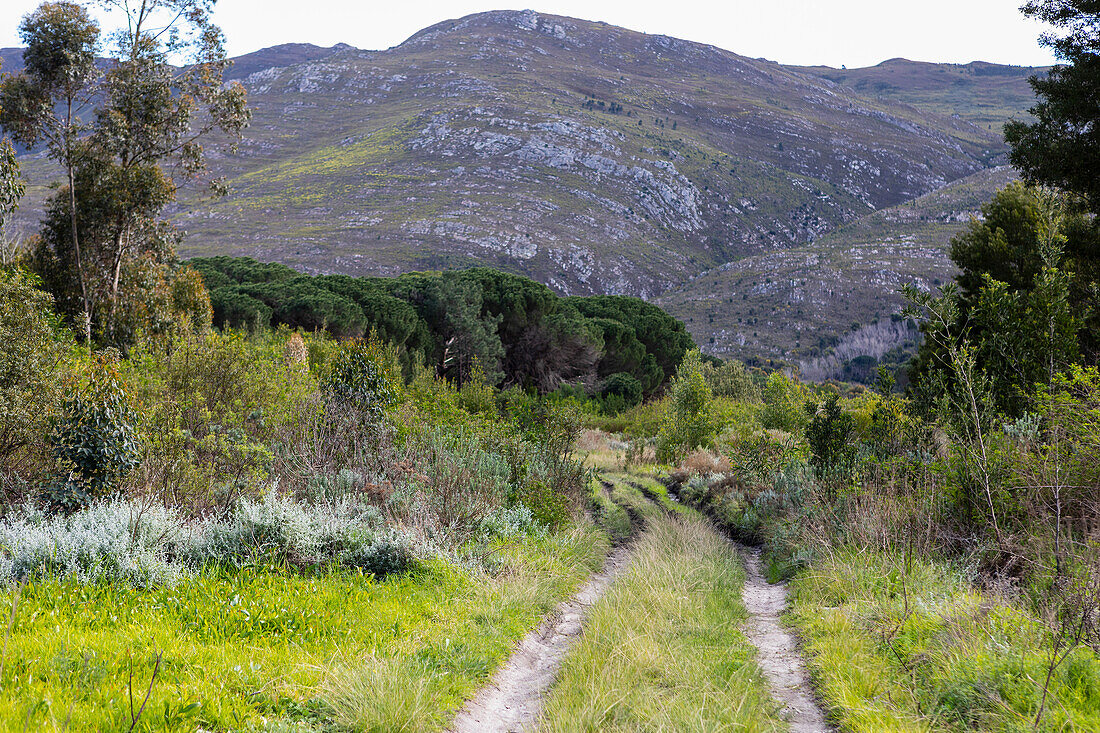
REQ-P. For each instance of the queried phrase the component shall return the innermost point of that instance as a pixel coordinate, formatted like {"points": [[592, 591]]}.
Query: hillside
{"points": [[586, 156], [589, 157], [987, 95], [799, 304]]}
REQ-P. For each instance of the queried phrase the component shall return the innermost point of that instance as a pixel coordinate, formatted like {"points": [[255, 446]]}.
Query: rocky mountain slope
{"points": [[833, 298], [590, 157]]}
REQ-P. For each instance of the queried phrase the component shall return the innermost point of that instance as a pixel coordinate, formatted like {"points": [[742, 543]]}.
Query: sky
{"points": [[806, 32]]}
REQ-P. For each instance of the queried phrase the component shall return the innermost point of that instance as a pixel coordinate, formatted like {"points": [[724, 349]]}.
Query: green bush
{"points": [[94, 439], [357, 378], [29, 353], [831, 437], [549, 507], [784, 398], [477, 396], [731, 380], [216, 407], [690, 422], [620, 392]]}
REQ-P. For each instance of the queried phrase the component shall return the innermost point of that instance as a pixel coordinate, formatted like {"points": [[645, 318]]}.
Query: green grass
{"points": [[608, 513], [641, 483], [957, 660], [261, 644], [663, 649]]}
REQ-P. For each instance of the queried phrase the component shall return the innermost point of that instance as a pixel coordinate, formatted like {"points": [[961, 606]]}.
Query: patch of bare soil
{"points": [[778, 654], [512, 700]]}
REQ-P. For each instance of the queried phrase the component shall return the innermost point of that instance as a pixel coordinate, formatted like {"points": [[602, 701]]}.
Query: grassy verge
{"points": [[234, 651], [663, 649], [919, 649]]}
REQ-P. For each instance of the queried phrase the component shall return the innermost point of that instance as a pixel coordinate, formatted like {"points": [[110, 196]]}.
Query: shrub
{"points": [[547, 506], [295, 352], [219, 405], [731, 380], [108, 541], [690, 422], [94, 438], [552, 432], [830, 435], [191, 300], [29, 354], [783, 410], [476, 395], [620, 391], [279, 529], [455, 480], [506, 522], [145, 544], [357, 378]]}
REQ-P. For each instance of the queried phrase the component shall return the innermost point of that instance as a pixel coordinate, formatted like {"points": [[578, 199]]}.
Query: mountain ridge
{"points": [[590, 157], [653, 196]]}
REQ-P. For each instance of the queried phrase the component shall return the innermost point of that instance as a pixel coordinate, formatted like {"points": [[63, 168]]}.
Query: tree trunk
{"points": [[72, 220], [116, 273]]}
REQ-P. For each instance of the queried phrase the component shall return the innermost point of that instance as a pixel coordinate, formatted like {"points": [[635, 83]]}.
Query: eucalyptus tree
{"points": [[44, 103], [11, 191], [156, 99], [164, 95], [12, 188]]}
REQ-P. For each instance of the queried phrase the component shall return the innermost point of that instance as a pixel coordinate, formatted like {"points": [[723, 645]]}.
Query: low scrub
{"points": [[145, 545], [261, 647]]}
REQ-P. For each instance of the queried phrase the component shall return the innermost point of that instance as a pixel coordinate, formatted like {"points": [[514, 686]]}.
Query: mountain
{"points": [[835, 296], [285, 54], [985, 94], [590, 157]]}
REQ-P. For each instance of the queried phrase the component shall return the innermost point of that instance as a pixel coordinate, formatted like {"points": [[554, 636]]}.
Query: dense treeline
{"points": [[515, 330]]}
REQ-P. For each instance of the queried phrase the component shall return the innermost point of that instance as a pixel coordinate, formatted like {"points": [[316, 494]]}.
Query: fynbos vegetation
{"points": [[238, 497]]}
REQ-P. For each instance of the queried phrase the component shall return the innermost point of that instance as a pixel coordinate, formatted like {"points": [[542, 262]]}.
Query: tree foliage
{"points": [[517, 332], [128, 132], [831, 437], [650, 347], [1062, 146], [29, 354], [44, 103], [690, 422], [1024, 300], [94, 438], [12, 186]]}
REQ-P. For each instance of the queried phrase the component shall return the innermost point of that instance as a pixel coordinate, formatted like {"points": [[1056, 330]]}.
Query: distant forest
{"points": [[514, 330]]}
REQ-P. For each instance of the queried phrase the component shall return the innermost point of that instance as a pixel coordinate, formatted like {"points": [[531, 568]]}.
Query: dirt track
{"points": [[778, 655], [512, 700]]}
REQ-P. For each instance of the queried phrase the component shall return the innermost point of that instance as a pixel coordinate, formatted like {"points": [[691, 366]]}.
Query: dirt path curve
{"points": [[512, 700], [778, 655]]}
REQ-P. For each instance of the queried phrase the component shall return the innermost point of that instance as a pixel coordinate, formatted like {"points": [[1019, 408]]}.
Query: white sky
{"points": [[830, 32]]}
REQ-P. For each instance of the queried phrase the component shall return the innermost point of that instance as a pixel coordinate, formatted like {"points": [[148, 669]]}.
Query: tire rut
{"points": [[777, 649], [512, 701]]}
